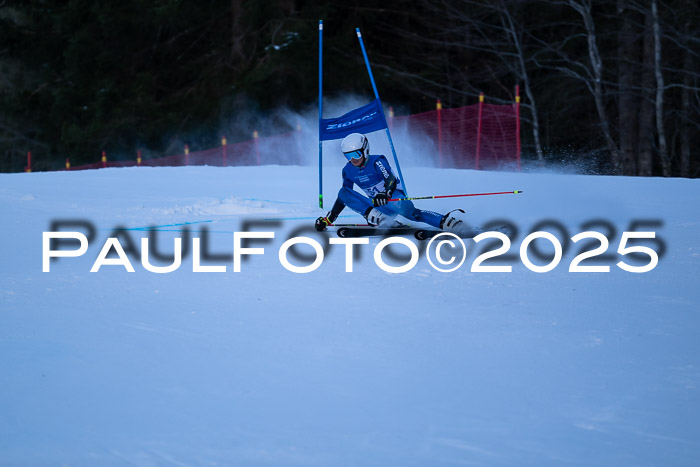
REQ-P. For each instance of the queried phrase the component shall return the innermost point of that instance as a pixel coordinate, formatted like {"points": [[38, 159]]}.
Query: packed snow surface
{"points": [[270, 367]]}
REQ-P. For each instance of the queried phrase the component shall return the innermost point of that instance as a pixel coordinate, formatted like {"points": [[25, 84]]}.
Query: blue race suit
{"points": [[371, 178]]}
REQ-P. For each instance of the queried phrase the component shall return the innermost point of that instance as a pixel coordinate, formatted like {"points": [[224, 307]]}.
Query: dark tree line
{"points": [[611, 84]]}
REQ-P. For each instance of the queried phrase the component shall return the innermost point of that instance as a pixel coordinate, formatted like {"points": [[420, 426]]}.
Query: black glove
{"points": [[381, 199], [323, 222], [389, 187]]}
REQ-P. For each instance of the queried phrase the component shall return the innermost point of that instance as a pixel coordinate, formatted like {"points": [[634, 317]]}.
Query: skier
{"points": [[373, 175]]}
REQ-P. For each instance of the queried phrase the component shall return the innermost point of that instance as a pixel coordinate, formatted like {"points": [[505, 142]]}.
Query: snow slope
{"points": [[269, 367]]}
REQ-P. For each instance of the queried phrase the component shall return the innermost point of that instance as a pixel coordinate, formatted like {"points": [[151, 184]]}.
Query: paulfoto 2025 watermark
{"points": [[445, 252]]}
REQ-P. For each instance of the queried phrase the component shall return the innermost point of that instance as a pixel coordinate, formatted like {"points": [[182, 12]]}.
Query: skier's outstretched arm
{"points": [[324, 221]]}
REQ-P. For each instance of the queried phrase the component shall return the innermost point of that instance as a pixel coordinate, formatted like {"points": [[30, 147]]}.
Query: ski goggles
{"points": [[357, 154]]}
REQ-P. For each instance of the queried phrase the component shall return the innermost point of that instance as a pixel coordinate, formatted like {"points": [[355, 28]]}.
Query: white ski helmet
{"points": [[354, 146]]}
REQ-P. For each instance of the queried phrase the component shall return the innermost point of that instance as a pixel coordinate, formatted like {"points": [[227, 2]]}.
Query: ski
{"points": [[418, 233], [425, 234], [347, 232]]}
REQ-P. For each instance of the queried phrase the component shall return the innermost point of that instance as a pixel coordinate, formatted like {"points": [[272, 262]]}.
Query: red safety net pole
{"points": [[138, 158], [517, 124], [478, 130], [256, 136], [104, 159], [439, 131], [223, 151], [29, 162]]}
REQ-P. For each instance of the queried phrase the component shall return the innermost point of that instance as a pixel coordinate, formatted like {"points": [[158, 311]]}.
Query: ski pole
{"points": [[457, 196]]}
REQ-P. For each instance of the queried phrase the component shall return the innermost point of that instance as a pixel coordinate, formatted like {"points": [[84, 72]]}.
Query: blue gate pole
{"points": [[320, 113], [376, 95]]}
